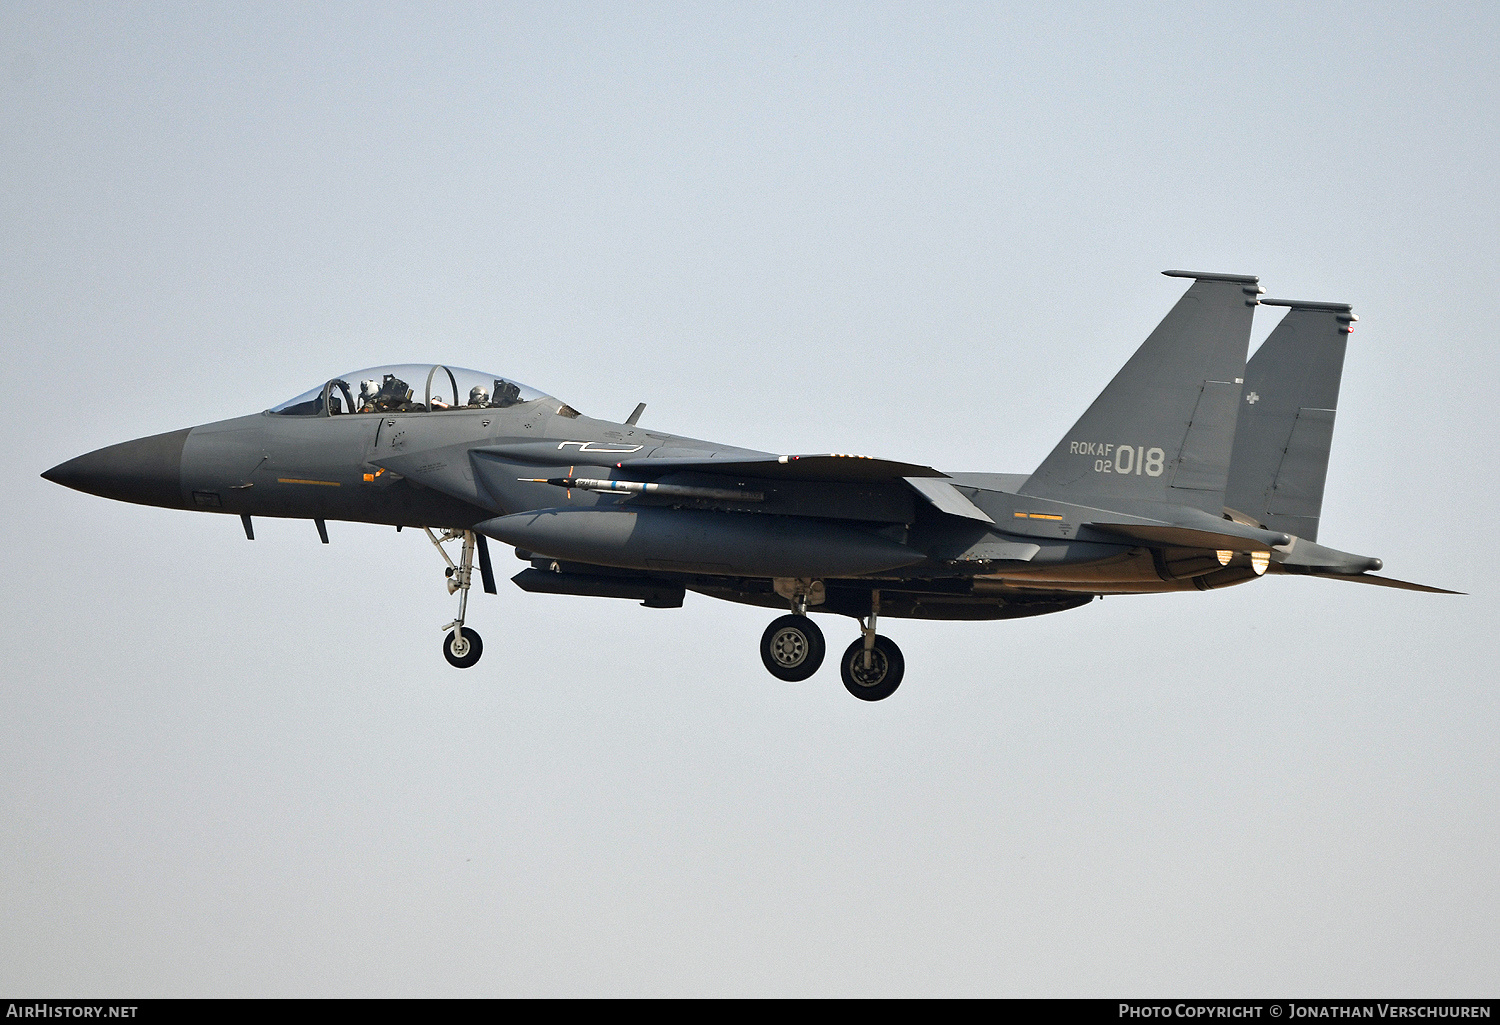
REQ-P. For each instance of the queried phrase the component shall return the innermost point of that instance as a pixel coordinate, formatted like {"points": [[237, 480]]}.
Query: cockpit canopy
{"points": [[408, 388]]}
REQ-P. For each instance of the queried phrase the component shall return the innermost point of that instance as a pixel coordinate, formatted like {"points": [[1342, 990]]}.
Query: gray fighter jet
{"points": [[1192, 470]]}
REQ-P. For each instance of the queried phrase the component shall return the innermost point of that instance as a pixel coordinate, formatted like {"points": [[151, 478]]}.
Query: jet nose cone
{"points": [[147, 471]]}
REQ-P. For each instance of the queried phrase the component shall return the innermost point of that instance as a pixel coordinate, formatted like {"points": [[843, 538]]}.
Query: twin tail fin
{"points": [[1280, 460], [1162, 432]]}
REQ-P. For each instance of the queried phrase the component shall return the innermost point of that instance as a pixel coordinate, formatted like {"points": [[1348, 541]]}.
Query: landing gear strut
{"points": [[792, 647], [875, 674], [462, 647], [872, 666]]}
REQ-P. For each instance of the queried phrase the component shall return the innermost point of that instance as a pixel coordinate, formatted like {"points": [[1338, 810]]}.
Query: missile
{"points": [[635, 487]]}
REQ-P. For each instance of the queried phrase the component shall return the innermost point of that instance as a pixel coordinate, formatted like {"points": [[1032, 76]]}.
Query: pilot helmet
{"points": [[368, 389], [479, 395]]}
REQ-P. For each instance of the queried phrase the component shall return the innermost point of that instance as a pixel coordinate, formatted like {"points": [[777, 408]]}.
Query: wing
{"points": [[833, 467], [821, 467]]}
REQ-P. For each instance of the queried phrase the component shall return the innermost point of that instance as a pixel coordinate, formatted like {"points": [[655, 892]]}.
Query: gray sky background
{"points": [[926, 232]]}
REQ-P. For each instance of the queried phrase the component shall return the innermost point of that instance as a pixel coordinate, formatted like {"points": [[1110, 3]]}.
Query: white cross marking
{"points": [[1252, 398]]}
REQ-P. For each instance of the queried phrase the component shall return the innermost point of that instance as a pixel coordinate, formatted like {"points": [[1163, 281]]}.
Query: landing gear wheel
{"points": [[462, 652], [883, 676], [792, 648]]}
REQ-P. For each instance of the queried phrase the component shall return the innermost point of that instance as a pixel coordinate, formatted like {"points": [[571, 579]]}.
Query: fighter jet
{"points": [[1192, 470]]}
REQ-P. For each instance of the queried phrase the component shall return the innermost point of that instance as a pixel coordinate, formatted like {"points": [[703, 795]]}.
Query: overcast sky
{"points": [[925, 232]]}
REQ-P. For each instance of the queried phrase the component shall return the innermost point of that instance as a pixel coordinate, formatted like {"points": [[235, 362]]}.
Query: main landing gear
{"points": [[873, 673], [462, 647], [792, 649]]}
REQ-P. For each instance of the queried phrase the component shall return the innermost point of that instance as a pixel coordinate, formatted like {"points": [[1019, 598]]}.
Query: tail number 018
{"points": [[1133, 459]]}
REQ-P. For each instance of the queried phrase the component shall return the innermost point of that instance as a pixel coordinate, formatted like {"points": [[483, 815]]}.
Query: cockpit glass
{"points": [[409, 388]]}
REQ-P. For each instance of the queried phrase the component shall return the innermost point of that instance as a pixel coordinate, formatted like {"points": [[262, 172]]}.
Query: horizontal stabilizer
{"points": [[1234, 537], [1360, 578], [1309, 557]]}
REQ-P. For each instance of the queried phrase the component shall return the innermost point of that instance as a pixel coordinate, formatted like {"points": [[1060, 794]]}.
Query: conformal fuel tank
{"points": [[690, 541]]}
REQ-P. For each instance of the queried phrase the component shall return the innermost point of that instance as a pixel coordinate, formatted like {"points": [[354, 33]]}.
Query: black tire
{"points": [[884, 675], [471, 642], [792, 648]]}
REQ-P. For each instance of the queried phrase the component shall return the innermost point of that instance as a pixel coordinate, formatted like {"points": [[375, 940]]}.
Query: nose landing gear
{"points": [[462, 647]]}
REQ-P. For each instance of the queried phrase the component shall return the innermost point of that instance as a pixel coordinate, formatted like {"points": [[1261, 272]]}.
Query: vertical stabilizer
{"points": [[1161, 433], [1285, 427]]}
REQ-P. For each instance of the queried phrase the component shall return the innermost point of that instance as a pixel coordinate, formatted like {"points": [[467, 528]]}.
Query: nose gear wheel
{"points": [[462, 648]]}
